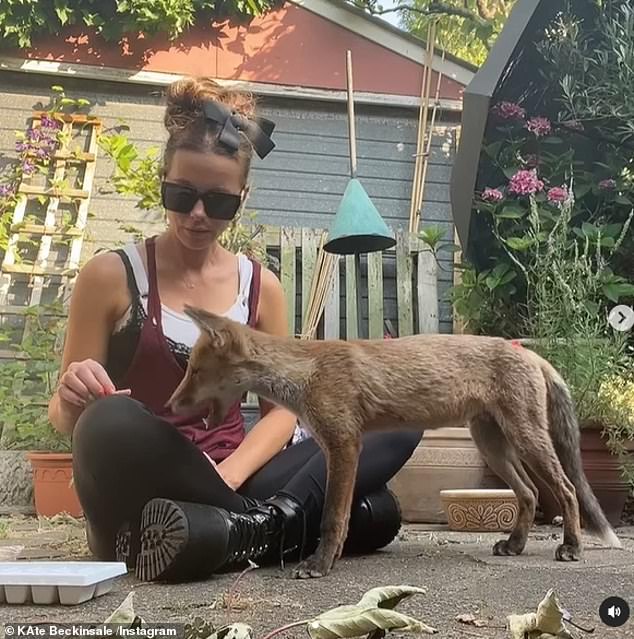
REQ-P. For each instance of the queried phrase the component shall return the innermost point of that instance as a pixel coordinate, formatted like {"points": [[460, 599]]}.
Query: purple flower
{"points": [[509, 111], [539, 126], [20, 147], [607, 185], [41, 153], [34, 134], [49, 123], [525, 183], [28, 167], [492, 195], [557, 194], [5, 189]]}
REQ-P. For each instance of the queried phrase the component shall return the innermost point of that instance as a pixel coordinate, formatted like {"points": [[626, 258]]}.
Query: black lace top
{"points": [[123, 343]]}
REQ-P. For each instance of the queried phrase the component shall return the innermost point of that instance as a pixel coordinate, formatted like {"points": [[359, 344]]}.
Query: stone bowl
{"points": [[480, 510]]}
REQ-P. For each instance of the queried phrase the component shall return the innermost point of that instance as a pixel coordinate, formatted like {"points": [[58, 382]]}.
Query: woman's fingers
{"points": [[75, 384], [71, 396], [101, 377], [86, 381]]}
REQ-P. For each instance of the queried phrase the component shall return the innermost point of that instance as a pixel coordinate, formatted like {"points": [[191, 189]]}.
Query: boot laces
{"points": [[253, 532]]}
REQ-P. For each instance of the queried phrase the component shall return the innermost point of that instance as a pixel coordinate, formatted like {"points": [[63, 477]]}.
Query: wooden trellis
{"points": [[77, 151]]}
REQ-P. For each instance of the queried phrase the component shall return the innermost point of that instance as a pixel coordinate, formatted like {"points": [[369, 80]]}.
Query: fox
{"points": [[519, 410]]}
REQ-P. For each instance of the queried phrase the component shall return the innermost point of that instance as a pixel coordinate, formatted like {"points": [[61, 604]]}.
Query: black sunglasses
{"points": [[181, 199]]}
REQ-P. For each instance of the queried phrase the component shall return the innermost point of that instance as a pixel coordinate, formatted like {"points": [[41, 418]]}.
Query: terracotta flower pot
{"points": [[52, 484], [603, 470]]}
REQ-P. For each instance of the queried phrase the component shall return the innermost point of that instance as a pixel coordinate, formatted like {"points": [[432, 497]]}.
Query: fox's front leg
{"points": [[342, 459]]}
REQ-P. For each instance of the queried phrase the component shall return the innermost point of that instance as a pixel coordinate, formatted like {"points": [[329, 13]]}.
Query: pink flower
{"points": [[525, 183], [557, 194], [607, 185], [509, 111], [539, 126], [492, 195]]}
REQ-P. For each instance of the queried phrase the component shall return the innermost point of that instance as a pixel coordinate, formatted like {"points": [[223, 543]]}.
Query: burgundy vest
{"points": [[154, 374]]}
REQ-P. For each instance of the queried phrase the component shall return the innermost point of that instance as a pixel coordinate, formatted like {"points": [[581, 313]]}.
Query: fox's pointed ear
{"points": [[208, 323]]}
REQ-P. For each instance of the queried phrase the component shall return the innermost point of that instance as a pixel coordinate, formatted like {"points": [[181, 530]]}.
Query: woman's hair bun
{"points": [[185, 98]]}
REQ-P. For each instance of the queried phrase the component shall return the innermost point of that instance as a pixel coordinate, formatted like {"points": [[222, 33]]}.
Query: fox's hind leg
{"points": [[503, 460], [528, 429]]}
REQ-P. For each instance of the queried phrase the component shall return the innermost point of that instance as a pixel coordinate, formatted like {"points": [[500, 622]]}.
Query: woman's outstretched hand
{"points": [[85, 381]]}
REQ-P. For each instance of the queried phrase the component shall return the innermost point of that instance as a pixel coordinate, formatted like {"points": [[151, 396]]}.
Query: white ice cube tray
{"points": [[50, 582]]}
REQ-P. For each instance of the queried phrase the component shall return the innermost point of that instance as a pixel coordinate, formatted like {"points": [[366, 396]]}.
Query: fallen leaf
{"points": [[471, 620], [545, 623], [124, 615], [233, 631], [388, 596], [521, 625], [354, 621], [198, 629]]}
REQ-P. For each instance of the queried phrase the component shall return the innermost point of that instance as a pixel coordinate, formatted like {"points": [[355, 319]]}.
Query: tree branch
{"points": [[436, 8], [487, 13]]}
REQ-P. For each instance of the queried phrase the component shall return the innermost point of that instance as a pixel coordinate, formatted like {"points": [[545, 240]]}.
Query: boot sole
{"points": [[163, 535], [123, 546]]}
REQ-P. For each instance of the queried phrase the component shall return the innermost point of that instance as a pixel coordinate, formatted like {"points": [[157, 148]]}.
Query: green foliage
{"points": [[465, 28], [553, 241], [21, 21], [553, 159], [564, 317], [135, 173], [28, 381]]}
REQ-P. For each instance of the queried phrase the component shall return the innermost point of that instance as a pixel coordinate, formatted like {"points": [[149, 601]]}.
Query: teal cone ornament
{"points": [[358, 227]]}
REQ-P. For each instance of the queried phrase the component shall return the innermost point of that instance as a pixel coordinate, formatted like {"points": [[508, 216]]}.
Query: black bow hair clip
{"points": [[258, 130]]}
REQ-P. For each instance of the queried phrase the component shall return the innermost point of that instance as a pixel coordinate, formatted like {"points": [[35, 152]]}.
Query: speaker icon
{"points": [[614, 612]]}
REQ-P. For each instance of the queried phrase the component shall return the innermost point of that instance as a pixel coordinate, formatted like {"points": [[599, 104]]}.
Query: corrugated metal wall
{"points": [[299, 184]]}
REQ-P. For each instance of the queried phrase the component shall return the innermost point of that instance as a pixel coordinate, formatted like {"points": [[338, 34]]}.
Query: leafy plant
{"points": [[28, 381], [616, 399], [135, 173], [22, 21], [564, 319]]}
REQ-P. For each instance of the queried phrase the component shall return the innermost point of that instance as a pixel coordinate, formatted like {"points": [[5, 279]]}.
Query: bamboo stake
{"points": [[422, 131], [351, 127], [427, 154], [423, 90], [418, 130], [320, 285], [419, 145]]}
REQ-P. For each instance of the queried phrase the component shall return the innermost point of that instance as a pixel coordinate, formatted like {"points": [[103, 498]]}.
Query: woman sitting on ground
{"points": [[171, 497]]}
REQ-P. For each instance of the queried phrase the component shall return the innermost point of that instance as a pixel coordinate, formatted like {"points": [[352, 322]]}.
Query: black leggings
{"points": [[124, 455]]}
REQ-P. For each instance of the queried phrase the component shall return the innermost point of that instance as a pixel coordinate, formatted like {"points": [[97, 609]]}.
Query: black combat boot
{"points": [[181, 541]]}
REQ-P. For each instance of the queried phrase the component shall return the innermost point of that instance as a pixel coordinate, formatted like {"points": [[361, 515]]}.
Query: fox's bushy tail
{"points": [[564, 430]]}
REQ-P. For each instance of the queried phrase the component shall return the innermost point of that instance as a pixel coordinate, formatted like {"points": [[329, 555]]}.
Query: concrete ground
{"points": [[458, 571]]}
